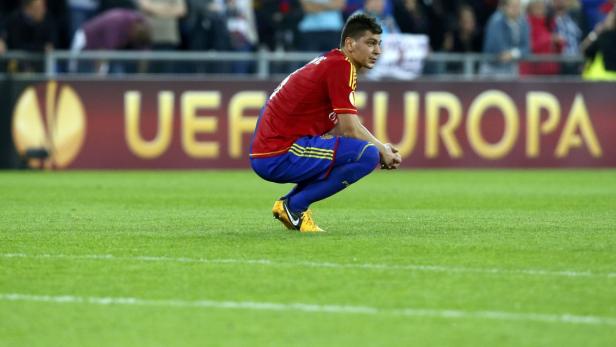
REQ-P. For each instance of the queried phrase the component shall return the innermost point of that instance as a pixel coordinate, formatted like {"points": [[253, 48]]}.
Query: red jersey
{"points": [[306, 103]]}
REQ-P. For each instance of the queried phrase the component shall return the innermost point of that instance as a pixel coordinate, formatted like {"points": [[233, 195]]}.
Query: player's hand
{"points": [[390, 158]]}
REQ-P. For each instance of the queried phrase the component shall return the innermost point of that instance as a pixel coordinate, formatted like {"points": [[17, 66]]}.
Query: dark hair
{"points": [[357, 24]]}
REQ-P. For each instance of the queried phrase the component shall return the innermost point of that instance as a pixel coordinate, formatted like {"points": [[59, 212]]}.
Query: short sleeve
{"points": [[341, 82]]}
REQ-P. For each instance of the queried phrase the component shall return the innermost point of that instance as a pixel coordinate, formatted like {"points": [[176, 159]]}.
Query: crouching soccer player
{"points": [[308, 132]]}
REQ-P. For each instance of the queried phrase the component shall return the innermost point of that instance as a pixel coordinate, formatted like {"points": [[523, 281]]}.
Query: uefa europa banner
{"points": [[168, 124]]}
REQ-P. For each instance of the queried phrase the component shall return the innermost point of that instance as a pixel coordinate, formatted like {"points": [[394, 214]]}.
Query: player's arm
{"points": [[341, 80], [350, 126]]}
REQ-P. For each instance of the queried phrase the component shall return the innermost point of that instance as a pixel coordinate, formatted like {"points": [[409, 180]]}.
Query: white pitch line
{"points": [[366, 266], [563, 318]]}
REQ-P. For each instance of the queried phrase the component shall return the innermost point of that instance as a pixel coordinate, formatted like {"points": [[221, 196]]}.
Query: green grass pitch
{"points": [[411, 258]]}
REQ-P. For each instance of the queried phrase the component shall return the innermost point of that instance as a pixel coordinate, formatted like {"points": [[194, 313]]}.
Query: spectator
{"points": [[599, 47], [570, 32], [465, 38], [205, 26], [411, 16], [483, 10], [595, 11], [7, 7], [115, 29], [507, 37], [278, 29], [441, 13], [31, 29], [112, 30], [106, 5], [2, 51], [277, 23], [319, 30], [81, 11], [376, 8], [351, 6], [2, 35], [567, 27], [58, 11], [241, 26], [544, 40], [163, 20], [2, 48]]}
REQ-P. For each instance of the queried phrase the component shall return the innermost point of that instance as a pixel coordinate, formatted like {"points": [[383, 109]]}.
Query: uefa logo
{"points": [[55, 122]]}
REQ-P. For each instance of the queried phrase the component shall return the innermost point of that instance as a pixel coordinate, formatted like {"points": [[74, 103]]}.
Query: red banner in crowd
{"points": [[208, 124]]}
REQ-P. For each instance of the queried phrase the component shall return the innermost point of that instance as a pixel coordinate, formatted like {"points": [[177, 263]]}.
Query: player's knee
{"points": [[365, 163], [371, 156]]}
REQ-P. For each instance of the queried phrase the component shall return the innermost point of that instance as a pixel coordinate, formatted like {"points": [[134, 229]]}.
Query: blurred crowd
{"points": [[509, 29]]}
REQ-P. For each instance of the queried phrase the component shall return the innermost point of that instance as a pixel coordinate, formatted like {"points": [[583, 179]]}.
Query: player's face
{"points": [[366, 50]]}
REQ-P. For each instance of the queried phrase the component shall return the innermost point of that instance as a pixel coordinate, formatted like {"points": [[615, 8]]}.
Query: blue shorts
{"points": [[310, 158]]}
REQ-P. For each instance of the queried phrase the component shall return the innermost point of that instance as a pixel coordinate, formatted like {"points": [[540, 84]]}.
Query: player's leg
{"points": [[309, 159], [321, 167], [354, 159]]}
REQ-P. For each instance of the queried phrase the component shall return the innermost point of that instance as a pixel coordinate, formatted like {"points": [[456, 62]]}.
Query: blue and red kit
{"points": [[306, 103], [291, 143]]}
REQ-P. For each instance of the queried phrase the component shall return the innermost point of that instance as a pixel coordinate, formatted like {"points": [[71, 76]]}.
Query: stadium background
{"points": [[146, 227], [188, 98], [167, 124]]}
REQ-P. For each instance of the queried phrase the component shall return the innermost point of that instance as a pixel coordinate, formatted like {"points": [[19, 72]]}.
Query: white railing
{"points": [[262, 59]]}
